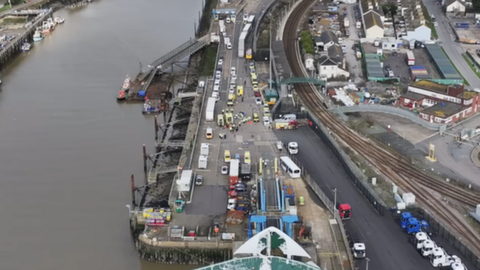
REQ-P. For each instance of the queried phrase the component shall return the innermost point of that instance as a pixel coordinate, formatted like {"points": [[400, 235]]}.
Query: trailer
{"points": [[246, 28], [410, 58], [234, 168], [210, 111], [241, 44]]}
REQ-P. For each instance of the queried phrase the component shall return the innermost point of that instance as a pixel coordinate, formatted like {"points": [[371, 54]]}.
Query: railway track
{"points": [[429, 192]]}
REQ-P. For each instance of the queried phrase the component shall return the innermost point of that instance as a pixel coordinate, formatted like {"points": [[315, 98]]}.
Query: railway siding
{"points": [[430, 192]]}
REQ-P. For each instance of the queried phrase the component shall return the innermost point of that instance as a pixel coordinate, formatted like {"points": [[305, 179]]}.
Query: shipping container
{"points": [[410, 58], [234, 168]]}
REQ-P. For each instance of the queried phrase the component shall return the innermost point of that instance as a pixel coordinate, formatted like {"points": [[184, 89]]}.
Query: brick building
{"points": [[440, 103]]}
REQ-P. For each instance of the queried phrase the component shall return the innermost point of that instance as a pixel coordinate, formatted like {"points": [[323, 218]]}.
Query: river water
{"points": [[67, 149]]}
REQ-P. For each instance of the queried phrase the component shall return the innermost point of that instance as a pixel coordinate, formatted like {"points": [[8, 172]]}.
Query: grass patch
{"points": [[471, 65], [14, 20], [206, 19], [6, 7], [207, 64], [429, 20], [464, 81]]}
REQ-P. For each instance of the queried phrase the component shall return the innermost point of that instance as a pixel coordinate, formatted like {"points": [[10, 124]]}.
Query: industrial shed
{"points": [[374, 67], [445, 68], [419, 73]]}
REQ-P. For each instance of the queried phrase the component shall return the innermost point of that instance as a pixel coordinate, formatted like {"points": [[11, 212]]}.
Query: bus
{"points": [[248, 54], [290, 167]]}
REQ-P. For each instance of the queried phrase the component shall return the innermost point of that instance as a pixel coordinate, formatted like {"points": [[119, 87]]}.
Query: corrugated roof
{"points": [[417, 67], [443, 64], [374, 66], [329, 36], [371, 19]]}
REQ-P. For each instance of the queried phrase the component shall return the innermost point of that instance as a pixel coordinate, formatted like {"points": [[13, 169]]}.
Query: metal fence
{"points": [[390, 110], [326, 201], [441, 231], [355, 174]]}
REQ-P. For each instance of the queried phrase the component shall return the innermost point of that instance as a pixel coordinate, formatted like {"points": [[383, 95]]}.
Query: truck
{"points": [[245, 172], [359, 24], [234, 168], [204, 149], [428, 246], [410, 58], [345, 211], [357, 247], [221, 24], [210, 111], [346, 23], [413, 225], [440, 258], [292, 148], [419, 239], [202, 162], [241, 44]]}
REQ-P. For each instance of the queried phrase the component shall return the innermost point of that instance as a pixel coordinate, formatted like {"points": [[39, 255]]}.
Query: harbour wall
{"points": [[184, 252], [14, 47]]}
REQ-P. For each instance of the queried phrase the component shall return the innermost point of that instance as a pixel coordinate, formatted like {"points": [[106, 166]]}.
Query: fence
{"points": [[356, 175], [326, 201], [390, 110], [444, 233]]}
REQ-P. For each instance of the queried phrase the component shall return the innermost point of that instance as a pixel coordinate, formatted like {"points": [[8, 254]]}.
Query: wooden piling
{"points": [[145, 161], [156, 127], [132, 184]]}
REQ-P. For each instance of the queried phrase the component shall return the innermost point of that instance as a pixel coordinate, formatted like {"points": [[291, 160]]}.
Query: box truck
{"points": [[210, 111]]}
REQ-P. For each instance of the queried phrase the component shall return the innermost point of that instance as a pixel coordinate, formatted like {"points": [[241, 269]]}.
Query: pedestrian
{"points": [[236, 128], [242, 98]]}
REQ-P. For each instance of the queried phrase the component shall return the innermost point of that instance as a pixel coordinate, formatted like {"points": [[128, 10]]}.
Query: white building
{"points": [[373, 26], [454, 6], [332, 64]]}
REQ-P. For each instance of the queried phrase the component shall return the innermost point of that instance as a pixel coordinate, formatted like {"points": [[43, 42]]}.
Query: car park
{"points": [[224, 170]]}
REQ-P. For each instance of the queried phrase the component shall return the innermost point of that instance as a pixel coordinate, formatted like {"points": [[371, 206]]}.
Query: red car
{"points": [[257, 94]]}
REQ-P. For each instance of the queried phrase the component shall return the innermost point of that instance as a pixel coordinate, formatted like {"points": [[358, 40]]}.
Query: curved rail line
{"points": [[392, 165]]}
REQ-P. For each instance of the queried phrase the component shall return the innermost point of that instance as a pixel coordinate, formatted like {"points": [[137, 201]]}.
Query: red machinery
{"points": [[345, 211]]}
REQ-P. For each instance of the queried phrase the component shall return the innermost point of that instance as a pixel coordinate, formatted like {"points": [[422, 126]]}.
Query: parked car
{"points": [[199, 180], [224, 170]]}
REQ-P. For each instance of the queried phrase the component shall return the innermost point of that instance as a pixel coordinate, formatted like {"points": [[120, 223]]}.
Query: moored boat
{"points": [[38, 36], [26, 47], [59, 20], [126, 84], [47, 27], [122, 95]]}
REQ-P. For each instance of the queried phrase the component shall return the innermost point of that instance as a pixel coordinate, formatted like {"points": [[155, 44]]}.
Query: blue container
{"points": [[141, 93]]}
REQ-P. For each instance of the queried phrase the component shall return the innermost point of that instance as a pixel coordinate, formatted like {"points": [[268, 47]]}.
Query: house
{"points": [[332, 64], [440, 103], [411, 22], [454, 6], [373, 26], [309, 61], [326, 40]]}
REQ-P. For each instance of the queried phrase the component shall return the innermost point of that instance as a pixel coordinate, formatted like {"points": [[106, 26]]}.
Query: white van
{"points": [[202, 162], [266, 121], [204, 149], [289, 117]]}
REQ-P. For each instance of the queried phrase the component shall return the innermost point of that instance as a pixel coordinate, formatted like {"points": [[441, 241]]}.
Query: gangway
{"points": [[188, 48], [179, 143]]}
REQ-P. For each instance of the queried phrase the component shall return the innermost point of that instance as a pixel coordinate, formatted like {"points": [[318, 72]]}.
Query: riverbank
{"points": [[19, 29]]}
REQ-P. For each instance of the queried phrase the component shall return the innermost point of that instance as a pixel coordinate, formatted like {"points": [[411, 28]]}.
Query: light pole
{"points": [[334, 198], [366, 267]]}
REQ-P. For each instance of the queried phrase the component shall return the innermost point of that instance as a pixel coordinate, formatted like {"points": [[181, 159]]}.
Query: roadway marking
{"points": [[202, 170]]}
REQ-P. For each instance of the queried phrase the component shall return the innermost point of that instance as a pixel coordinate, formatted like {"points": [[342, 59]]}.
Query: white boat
{"points": [[47, 27], [26, 47], [59, 20], [38, 36]]}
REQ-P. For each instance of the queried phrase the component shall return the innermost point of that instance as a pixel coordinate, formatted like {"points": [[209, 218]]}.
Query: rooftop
{"points": [[372, 19], [261, 263], [444, 110], [335, 53], [443, 64], [431, 86], [372, 5], [328, 36], [413, 96], [469, 94]]}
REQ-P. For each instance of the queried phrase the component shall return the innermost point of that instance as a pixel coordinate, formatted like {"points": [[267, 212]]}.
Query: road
{"points": [[387, 244], [452, 48]]}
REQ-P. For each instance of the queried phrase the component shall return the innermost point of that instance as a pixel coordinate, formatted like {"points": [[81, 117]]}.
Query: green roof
{"points": [[254, 263]]}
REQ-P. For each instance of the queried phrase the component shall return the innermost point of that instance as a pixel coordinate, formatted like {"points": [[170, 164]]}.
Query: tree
{"points": [[390, 9]]}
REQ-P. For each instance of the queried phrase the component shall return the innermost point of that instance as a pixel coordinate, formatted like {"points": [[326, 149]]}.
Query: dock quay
{"points": [[215, 179], [25, 33]]}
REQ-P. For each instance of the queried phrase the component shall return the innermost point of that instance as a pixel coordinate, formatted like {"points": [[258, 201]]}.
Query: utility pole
{"points": [[366, 267], [334, 198], [270, 56]]}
